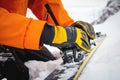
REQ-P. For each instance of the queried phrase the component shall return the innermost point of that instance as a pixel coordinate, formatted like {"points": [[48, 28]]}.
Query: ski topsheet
{"points": [[71, 71]]}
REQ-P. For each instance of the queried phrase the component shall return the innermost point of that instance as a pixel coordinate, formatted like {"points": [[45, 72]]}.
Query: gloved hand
{"points": [[58, 35], [88, 28]]}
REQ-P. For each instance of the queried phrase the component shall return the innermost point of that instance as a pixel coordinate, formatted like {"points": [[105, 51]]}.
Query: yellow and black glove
{"points": [[88, 28], [58, 35]]}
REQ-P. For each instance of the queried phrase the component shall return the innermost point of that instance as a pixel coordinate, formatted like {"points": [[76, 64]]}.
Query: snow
{"points": [[104, 65], [54, 50], [38, 70], [86, 10]]}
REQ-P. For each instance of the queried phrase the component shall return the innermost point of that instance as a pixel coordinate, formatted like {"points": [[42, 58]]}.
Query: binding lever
{"points": [[71, 53]]}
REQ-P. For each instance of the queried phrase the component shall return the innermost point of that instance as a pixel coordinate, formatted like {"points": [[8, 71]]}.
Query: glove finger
{"points": [[82, 40]]}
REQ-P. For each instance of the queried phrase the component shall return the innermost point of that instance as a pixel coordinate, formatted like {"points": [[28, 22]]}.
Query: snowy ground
{"points": [[104, 65]]}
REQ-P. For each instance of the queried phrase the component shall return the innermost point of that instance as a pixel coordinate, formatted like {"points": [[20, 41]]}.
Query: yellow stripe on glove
{"points": [[60, 35], [81, 38]]}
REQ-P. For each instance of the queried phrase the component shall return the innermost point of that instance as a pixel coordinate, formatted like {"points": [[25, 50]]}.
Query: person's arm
{"points": [[42, 8], [19, 31]]}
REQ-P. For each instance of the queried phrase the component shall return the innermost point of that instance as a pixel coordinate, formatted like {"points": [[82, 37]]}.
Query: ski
{"points": [[72, 70], [88, 57]]}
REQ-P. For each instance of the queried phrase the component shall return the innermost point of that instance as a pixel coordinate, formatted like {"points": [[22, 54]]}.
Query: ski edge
{"points": [[87, 59]]}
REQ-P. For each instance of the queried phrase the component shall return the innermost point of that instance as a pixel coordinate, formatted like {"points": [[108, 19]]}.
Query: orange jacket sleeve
{"points": [[39, 9], [19, 31]]}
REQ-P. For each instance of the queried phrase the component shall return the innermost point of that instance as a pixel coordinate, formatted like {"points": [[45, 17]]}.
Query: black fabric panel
{"points": [[71, 34], [47, 34]]}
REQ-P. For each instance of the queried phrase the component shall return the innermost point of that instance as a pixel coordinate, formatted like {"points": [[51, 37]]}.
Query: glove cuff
{"points": [[47, 34]]}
